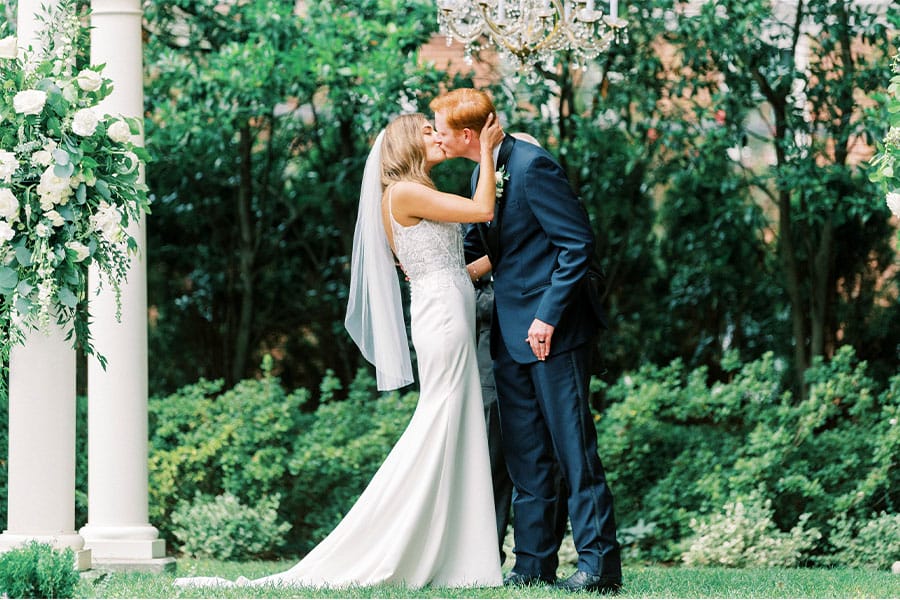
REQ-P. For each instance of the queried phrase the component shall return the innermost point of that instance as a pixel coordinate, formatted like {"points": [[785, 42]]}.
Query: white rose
{"points": [[107, 221], [52, 189], [8, 165], [89, 81], [6, 231], [9, 47], [9, 206], [893, 202], [42, 158], [119, 132], [42, 231], [55, 218], [29, 102], [81, 251], [84, 123]]}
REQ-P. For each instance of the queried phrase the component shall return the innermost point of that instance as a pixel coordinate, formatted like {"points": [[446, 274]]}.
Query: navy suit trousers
{"points": [[545, 419]]}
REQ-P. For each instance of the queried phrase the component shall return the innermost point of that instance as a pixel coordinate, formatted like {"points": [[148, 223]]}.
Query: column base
{"points": [[127, 548], [10, 541], [145, 565]]}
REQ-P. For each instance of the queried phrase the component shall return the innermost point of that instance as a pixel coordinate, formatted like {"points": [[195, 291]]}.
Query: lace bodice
{"points": [[431, 252]]}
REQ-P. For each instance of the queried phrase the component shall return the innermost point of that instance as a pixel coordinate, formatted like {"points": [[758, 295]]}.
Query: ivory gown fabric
{"points": [[427, 516]]}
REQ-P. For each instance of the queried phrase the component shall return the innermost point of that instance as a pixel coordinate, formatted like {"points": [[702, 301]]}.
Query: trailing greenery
{"points": [[70, 183], [38, 570]]}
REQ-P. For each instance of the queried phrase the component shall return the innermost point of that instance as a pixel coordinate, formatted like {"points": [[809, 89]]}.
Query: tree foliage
{"points": [[789, 82], [718, 153], [259, 122]]}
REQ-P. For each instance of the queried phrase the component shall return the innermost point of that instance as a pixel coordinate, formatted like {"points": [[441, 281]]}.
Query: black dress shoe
{"points": [[582, 581], [522, 579]]}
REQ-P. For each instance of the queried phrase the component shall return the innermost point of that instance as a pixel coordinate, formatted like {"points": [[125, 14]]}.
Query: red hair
{"points": [[464, 108]]}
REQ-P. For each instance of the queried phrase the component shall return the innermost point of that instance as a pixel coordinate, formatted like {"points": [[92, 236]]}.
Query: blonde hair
{"points": [[403, 154], [464, 108]]}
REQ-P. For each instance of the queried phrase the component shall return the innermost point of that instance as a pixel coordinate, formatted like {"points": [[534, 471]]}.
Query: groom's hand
{"points": [[539, 335]]}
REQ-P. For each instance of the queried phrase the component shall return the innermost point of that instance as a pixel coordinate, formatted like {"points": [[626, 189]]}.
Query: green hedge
{"points": [[705, 473], [680, 453], [256, 442], [37, 570]]}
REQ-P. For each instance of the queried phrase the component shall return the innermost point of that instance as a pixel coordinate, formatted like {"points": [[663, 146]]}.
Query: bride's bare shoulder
{"points": [[405, 191]]}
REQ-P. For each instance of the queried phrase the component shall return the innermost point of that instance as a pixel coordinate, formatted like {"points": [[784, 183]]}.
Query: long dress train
{"points": [[427, 516]]}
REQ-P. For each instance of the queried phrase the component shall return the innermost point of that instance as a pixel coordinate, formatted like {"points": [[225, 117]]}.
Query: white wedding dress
{"points": [[427, 516]]}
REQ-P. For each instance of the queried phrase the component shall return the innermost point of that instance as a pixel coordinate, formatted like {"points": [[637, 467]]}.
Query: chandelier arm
{"points": [[529, 32], [525, 49]]}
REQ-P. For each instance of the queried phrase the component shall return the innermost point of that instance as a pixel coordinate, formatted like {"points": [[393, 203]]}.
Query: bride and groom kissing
{"points": [[427, 516]]}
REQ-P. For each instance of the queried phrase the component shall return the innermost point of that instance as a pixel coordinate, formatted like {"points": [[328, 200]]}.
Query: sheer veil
{"points": [[374, 308]]}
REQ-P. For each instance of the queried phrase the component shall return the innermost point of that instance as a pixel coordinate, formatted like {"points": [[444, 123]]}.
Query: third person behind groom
{"points": [[540, 245]]}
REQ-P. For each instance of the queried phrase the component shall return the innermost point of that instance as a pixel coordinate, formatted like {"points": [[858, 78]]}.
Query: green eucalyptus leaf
{"points": [[60, 156], [25, 288], [23, 255], [66, 297], [66, 211], [64, 170], [9, 278], [103, 189], [23, 305]]}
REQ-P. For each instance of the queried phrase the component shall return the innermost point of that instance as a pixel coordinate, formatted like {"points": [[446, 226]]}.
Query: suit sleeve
{"points": [[472, 243], [565, 222]]}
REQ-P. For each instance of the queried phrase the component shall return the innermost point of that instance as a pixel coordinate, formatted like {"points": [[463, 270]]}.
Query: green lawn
{"points": [[640, 582]]}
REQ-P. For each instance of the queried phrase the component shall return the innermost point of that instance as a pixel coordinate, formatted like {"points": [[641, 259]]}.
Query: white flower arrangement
{"points": [[893, 202], [70, 183], [500, 179], [886, 162]]}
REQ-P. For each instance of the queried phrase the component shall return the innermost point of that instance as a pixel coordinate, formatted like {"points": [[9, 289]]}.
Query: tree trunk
{"points": [[566, 107], [793, 278], [246, 257], [793, 284]]}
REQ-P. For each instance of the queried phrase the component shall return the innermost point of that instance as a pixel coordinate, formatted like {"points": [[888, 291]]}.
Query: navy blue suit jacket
{"points": [[545, 247]]}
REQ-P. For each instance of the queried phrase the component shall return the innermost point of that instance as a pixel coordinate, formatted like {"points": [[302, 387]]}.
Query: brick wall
{"points": [[452, 60]]}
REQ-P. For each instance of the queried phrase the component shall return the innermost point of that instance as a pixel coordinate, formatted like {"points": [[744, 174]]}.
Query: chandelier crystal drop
{"points": [[529, 33]]}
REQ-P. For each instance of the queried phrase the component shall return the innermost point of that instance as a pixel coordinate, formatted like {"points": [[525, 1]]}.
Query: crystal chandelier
{"points": [[528, 33]]}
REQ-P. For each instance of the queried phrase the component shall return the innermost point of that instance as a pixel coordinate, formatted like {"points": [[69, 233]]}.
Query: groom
{"points": [[540, 244]]}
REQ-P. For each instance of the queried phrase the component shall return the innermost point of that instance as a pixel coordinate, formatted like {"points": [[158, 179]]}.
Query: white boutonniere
{"points": [[500, 179]]}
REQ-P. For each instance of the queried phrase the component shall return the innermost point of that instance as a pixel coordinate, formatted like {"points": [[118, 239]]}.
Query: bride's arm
{"points": [[417, 200], [479, 267]]}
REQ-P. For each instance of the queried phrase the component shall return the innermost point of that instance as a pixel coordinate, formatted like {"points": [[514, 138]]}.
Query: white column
{"points": [[41, 462], [118, 530]]}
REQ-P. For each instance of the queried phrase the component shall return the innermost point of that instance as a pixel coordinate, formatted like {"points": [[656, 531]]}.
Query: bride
{"points": [[427, 516]]}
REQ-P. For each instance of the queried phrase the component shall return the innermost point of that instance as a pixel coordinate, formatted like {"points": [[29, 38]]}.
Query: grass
{"points": [[640, 582]]}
